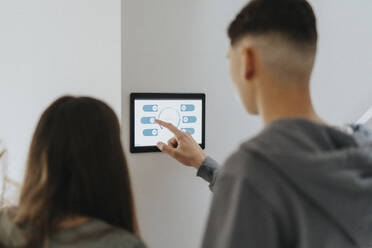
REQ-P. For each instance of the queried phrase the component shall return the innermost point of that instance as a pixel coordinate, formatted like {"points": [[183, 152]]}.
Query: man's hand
{"points": [[182, 147]]}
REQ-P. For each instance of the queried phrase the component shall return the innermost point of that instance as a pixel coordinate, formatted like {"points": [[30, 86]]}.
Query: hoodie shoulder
{"points": [[305, 170], [289, 136], [257, 171]]}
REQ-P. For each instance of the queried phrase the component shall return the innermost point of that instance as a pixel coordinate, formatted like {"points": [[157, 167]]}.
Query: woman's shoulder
{"points": [[118, 236], [94, 233], [8, 229], [6, 220], [97, 233]]}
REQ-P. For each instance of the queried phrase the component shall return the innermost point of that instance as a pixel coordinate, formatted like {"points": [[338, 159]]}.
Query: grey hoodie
{"points": [[297, 184]]}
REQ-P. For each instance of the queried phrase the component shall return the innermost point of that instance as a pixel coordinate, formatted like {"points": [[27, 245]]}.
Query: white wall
{"points": [[49, 48], [180, 46], [342, 81]]}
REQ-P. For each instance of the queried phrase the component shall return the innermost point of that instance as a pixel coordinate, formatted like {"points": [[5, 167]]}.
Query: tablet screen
{"points": [[184, 111]]}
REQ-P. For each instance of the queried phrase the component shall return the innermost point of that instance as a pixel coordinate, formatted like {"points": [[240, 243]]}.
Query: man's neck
{"points": [[287, 103]]}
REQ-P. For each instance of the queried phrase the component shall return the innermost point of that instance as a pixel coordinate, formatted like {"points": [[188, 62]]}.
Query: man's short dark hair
{"points": [[294, 19]]}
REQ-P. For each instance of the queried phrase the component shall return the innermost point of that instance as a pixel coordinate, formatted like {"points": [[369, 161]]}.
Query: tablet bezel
{"points": [[161, 96]]}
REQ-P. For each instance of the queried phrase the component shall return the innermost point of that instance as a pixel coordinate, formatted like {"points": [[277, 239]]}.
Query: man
{"points": [[300, 182]]}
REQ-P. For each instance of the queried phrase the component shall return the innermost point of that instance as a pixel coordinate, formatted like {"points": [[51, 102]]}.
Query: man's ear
{"points": [[249, 63]]}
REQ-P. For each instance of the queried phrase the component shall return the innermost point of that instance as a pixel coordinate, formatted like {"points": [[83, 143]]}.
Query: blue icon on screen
{"points": [[189, 119], [189, 130], [150, 132], [151, 108], [179, 115], [187, 107], [148, 120]]}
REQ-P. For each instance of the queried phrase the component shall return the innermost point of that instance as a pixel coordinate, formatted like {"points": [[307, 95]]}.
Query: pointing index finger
{"points": [[170, 127]]}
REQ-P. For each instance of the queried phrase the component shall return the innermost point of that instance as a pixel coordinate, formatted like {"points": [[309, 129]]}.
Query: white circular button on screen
{"points": [[152, 120], [185, 119], [155, 108], [183, 108], [154, 132]]}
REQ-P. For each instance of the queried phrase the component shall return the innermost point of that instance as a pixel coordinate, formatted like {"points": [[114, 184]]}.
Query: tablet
{"points": [[184, 111]]}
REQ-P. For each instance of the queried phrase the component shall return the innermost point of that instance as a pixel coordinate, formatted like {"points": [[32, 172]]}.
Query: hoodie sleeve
{"points": [[240, 218], [208, 170]]}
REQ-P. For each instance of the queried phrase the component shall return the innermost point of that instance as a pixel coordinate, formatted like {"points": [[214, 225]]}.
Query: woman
{"points": [[76, 191]]}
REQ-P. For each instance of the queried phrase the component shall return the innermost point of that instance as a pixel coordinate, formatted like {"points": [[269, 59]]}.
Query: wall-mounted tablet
{"points": [[185, 111]]}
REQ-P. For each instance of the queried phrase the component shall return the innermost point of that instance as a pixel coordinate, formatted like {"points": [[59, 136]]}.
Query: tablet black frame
{"points": [[162, 96]]}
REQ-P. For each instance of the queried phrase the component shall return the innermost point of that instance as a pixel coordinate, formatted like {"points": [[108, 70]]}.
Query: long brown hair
{"points": [[76, 167]]}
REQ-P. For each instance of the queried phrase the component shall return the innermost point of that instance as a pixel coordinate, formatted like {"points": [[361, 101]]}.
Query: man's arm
{"points": [[188, 152], [239, 217]]}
